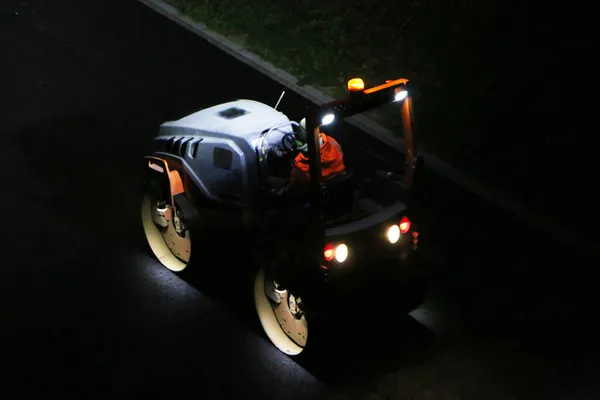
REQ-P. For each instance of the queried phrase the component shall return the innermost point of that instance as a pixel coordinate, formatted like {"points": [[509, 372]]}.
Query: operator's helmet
{"points": [[301, 134]]}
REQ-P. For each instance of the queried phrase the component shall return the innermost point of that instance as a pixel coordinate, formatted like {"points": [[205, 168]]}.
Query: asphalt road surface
{"points": [[87, 311]]}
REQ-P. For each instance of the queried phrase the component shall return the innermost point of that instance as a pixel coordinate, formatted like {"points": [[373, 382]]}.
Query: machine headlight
{"points": [[393, 234], [341, 253]]}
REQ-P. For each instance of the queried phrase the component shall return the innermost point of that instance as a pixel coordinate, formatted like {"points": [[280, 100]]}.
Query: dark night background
{"points": [[88, 312]]}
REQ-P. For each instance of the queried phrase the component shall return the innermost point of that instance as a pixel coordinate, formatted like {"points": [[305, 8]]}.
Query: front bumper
{"points": [[369, 251], [403, 264], [379, 276], [377, 270], [388, 286]]}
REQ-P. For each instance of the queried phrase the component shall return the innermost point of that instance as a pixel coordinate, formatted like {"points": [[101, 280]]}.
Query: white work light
{"points": [[400, 95], [327, 119]]}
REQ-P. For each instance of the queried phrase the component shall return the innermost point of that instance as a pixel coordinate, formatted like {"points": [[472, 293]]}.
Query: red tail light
{"points": [[329, 252], [404, 225]]}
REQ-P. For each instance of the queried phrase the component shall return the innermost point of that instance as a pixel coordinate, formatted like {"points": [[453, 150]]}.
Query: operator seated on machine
{"points": [[332, 163]]}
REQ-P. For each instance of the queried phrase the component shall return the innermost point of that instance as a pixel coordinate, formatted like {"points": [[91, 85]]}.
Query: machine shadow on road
{"points": [[368, 345]]}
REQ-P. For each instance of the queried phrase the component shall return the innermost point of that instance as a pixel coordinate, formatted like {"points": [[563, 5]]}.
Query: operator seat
{"points": [[339, 195], [338, 201]]}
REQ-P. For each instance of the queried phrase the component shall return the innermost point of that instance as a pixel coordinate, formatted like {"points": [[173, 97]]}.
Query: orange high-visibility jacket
{"points": [[332, 163]]}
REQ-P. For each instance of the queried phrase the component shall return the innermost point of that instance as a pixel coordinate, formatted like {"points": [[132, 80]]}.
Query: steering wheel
{"points": [[288, 142]]}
